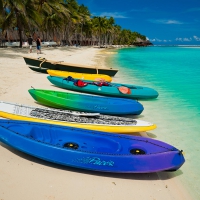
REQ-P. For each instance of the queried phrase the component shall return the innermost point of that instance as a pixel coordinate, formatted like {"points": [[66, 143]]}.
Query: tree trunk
{"points": [[43, 37], [19, 26], [81, 34], [99, 38], [20, 37], [76, 37]]}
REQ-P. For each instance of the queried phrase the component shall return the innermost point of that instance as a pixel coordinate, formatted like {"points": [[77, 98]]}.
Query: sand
{"points": [[24, 177]]}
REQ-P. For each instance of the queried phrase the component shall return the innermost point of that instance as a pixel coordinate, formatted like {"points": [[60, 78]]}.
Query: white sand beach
{"points": [[23, 177]]}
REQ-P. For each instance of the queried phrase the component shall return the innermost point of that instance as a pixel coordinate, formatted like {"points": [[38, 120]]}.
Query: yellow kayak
{"points": [[91, 121], [92, 77]]}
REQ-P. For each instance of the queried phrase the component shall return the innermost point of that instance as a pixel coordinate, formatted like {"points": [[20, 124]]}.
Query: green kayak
{"points": [[86, 103]]}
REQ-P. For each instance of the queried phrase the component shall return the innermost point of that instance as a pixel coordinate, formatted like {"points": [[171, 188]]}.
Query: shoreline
{"points": [[32, 178], [166, 177]]}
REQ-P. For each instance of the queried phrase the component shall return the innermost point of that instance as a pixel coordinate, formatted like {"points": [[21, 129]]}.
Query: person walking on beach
{"points": [[38, 43], [30, 43]]}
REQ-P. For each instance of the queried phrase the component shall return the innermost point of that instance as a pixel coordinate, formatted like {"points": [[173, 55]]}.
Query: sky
{"points": [[166, 22]]}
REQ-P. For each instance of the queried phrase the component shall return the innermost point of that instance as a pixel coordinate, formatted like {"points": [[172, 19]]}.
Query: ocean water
{"points": [[175, 73]]}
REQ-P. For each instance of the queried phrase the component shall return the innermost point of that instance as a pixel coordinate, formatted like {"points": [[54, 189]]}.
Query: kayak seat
{"points": [[80, 83], [69, 78], [101, 84], [45, 135], [124, 90]]}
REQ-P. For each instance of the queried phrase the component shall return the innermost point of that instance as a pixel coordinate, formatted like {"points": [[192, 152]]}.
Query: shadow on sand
{"points": [[132, 176]]}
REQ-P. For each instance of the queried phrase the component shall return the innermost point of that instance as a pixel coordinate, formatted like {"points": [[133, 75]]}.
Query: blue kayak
{"points": [[87, 103], [91, 150], [104, 88]]}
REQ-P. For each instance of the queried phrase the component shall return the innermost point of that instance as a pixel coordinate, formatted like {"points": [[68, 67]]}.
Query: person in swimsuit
{"points": [[38, 43], [30, 42]]}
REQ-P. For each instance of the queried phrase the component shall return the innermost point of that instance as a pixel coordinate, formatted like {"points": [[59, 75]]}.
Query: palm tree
{"points": [[61, 17], [109, 29], [100, 25], [52, 13], [72, 20], [91, 30], [27, 15], [84, 14], [15, 15], [1, 7], [20, 14], [116, 33]]}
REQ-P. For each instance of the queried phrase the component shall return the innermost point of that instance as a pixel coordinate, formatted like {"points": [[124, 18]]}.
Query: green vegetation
{"points": [[62, 20]]}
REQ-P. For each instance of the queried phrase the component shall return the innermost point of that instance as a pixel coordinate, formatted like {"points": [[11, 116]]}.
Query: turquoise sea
{"points": [[175, 73]]}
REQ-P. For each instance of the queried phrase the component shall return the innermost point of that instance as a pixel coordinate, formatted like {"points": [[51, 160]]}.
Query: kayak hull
{"points": [[51, 116], [90, 150], [39, 69], [87, 103], [63, 66], [83, 76], [137, 92]]}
